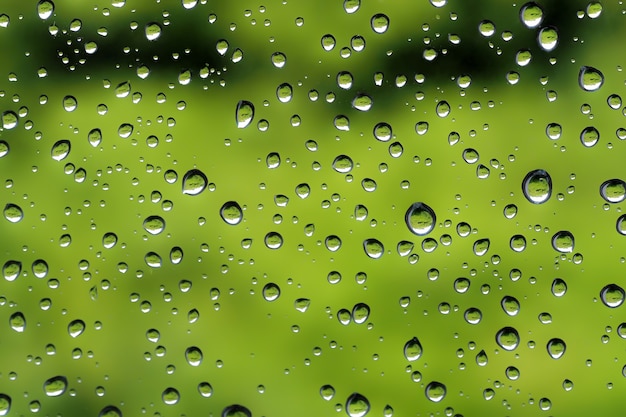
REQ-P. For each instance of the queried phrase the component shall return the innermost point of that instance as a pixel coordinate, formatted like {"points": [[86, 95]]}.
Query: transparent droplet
{"points": [[613, 190], [70, 103], [518, 243], [594, 9], [360, 212], [420, 219], [421, 128], [614, 101], [302, 304], [620, 225], [486, 28], [589, 136], [531, 15], [512, 373], [333, 243], [590, 78], [413, 349], [18, 322], [94, 137], [344, 316], [328, 42], [362, 102], [507, 338], [125, 130], [13, 213], [231, 213], [273, 240], [76, 328], [373, 248], [461, 285], [279, 59], [473, 315], [404, 247], [537, 186], [612, 295], [153, 31], [357, 43], [205, 389], [559, 287], [435, 391], [357, 405], [45, 8], [153, 260], [5, 404], [510, 211], [170, 396], [303, 190], [236, 410], [481, 358], [563, 241], [284, 92], [351, 6], [481, 247], [344, 80], [380, 23], [9, 119], [360, 313], [383, 132], [442, 108], [548, 38], [510, 305], [244, 114], [342, 122], [110, 411], [154, 224], [55, 386], [109, 240], [554, 130], [556, 348], [343, 164], [40, 268], [61, 149], [194, 182], [193, 355], [272, 160], [271, 291]]}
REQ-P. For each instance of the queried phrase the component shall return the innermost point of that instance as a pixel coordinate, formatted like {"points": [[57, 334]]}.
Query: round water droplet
{"points": [[279, 59], [170, 396], [548, 38], [461, 285], [589, 136], [481, 246], [221, 46], [594, 9], [360, 212], [510, 305], [153, 31], [357, 405], [537, 186], [231, 213], [205, 389], [11, 270], [510, 211], [40, 268], [351, 6], [55, 386], [342, 123], [421, 128], [272, 160], [556, 348], [61, 149], [590, 78], [76, 328], [518, 243], [194, 182], [13, 213], [486, 28], [442, 108], [236, 410], [284, 92], [271, 291], [531, 15], [559, 287], [620, 225], [344, 316], [154, 225], [512, 373], [383, 132], [328, 42], [94, 137], [70, 103], [153, 260], [17, 321], [614, 101], [9, 119], [327, 392], [360, 313], [435, 391], [612, 295], [362, 102], [193, 355], [343, 164], [125, 130], [563, 241], [5, 404], [4, 148], [345, 80], [333, 243], [613, 190], [420, 219], [273, 240], [507, 338], [303, 190], [109, 240], [473, 315], [554, 131], [373, 248], [45, 8], [380, 23], [244, 114], [413, 349]]}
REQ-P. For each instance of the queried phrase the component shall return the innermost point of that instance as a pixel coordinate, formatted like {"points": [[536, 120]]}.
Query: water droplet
{"points": [[333, 243], [193, 355], [170, 396], [40, 268], [153, 31], [473, 315], [327, 392], [518, 243], [9, 120], [271, 291], [18, 322], [273, 240], [380, 23], [61, 149], [481, 246], [537, 186], [421, 128], [303, 190], [589, 136], [486, 28], [76, 328], [559, 287], [272, 160], [244, 113], [110, 411], [620, 225], [279, 59], [373, 248], [510, 305], [590, 78], [563, 241], [194, 182], [510, 211], [612, 295], [55, 386], [153, 260], [362, 102], [507, 338], [481, 358], [154, 225], [435, 391], [302, 304], [95, 137], [548, 38], [153, 335], [351, 6], [461, 285], [614, 101], [11, 270], [413, 349], [45, 8], [343, 164], [125, 130], [13, 213], [328, 42], [420, 219], [531, 15], [512, 373], [70, 103], [109, 240], [404, 247], [360, 212], [553, 131], [442, 108], [556, 348], [236, 410], [360, 313], [231, 213], [382, 132], [594, 9], [342, 123], [613, 190], [357, 405], [5, 404], [205, 389], [284, 92], [344, 316], [345, 80]]}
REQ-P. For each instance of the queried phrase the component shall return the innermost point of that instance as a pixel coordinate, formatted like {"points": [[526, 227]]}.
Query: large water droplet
{"points": [[380, 23], [231, 212], [420, 219], [70, 103], [351, 6], [333, 243], [473, 315], [435, 391], [507, 338], [45, 8], [76, 328], [486, 28], [284, 92], [559, 287], [548, 38], [244, 114], [357, 405], [236, 410], [620, 225], [273, 240], [170, 396], [328, 42], [612, 295], [481, 358], [537, 186], [153, 31], [442, 108], [11, 270], [360, 313], [194, 182], [13, 213], [327, 392], [271, 291], [481, 247], [55, 386], [5, 404], [556, 348], [110, 411], [554, 131], [589, 136], [205, 389], [613, 190], [563, 241], [9, 120], [413, 349], [531, 15], [154, 225], [343, 164], [61, 149], [362, 102], [17, 321], [383, 132], [193, 355], [40, 268], [153, 259], [373, 248], [94, 137], [590, 78], [510, 305]]}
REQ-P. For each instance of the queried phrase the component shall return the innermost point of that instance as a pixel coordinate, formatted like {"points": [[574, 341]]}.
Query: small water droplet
{"points": [[383, 132], [328, 42], [271, 291], [360, 212], [518, 243], [421, 128], [170, 396], [620, 225], [303, 190], [380, 23], [194, 182], [236, 410], [435, 391], [373, 248], [18, 322], [61, 149], [510, 305], [193, 355], [420, 219], [362, 102], [302, 304], [507, 338], [351, 6], [343, 164], [231, 213], [537, 186], [76, 328], [272, 160], [153, 31], [589, 136], [154, 224], [94, 137], [279, 59], [512, 373], [590, 78], [594, 9], [481, 358], [55, 386], [125, 130], [327, 392], [548, 38], [13, 213], [40, 268], [612, 295], [244, 114], [357, 405], [333, 243], [45, 8], [554, 131], [109, 240], [531, 15], [11, 270], [153, 260], [563, 241], [342, 123], [556, 348]]}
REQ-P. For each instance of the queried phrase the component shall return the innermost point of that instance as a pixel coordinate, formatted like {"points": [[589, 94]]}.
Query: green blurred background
{"points": [[180, 94]]}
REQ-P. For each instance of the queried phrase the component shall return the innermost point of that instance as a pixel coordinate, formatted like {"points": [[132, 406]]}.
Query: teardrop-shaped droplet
{"points": [[531, 15], [590, 78], [170, 396], [231, 213], [510, 305], [55, 386], [435, 391], [613, 190], [244, 114], [404, 247], [612, 295], [45, 8], [5, 404], [413, 349], [153, 31], [193, 355], [194, 182], [360, 313], [327, 392], [556, 348], [548, 38], [236, 410], [18, 322], [380, 23], [373, 248], [76, 328], [420, 219], [537, 186], [507, 338], [357, 405], [481, 358], [563, 241], [154, 224], [13, 213]]}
